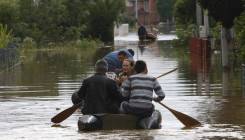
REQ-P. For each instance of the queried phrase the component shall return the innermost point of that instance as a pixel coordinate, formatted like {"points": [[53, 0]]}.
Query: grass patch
{"points": [[5, 36]]}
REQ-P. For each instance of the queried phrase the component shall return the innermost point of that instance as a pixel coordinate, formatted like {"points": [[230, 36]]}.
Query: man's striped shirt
{"points": [[139, 88]]}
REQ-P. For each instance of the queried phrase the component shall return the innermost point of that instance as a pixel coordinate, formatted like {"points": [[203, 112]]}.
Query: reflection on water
{"points": [[41, 86]]}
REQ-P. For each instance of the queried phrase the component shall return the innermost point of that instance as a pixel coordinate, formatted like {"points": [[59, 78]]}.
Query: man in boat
{"points": [[139, 88], [127, 70], [100, 94], [115, 59], [142, 33], [146, 36]]}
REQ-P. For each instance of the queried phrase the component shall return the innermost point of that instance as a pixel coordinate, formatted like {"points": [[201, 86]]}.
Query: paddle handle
{"points": [[166, 73]]}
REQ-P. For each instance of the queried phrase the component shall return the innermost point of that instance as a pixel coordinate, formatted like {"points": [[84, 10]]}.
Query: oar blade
{"points": [[185, 119], [64, 114]]}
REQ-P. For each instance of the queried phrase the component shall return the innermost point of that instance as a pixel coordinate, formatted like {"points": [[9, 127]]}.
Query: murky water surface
{"points": [[39, 88]]}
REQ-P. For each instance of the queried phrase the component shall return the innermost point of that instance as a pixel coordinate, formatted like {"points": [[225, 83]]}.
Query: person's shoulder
{"points": [[89, 78], [111, 53], [150, 77], [110, 81], [143, 76]]}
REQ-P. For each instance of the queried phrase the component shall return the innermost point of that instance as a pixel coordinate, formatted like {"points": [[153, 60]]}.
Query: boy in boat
{"points": [[100, 94], [139, 89], [115, 59]]}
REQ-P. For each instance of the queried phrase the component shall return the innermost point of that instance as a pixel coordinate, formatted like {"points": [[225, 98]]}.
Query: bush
{"points": [[28, 42], [185, 32], [5, 36]]}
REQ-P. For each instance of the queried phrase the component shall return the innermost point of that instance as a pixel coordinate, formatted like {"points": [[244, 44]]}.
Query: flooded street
{"points": [[36, 90]]}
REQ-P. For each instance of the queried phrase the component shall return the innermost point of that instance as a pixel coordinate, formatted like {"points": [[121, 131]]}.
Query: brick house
{"points": [[146, 11]]}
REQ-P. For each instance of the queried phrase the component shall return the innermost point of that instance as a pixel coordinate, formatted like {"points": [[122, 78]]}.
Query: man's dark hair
{"points": [[122, 53], [101, 66], [131, 52], [140, 66]]}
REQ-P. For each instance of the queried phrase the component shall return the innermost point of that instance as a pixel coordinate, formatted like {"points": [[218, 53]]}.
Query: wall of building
{"points": [[147, 11]]}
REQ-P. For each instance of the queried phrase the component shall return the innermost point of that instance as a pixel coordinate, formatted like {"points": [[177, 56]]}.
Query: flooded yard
{"points": [[36, 90]]}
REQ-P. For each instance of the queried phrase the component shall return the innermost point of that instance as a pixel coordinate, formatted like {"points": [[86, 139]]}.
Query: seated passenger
{"points": [[139, 88], [115, 59], [100, 94], [127, 70]]}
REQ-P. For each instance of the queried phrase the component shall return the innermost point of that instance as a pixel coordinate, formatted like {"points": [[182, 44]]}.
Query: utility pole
{"points": [[136, 9]]}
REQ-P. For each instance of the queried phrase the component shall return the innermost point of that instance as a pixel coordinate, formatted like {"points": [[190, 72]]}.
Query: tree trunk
{"points": [[198, 15], [206, 22], [226, 41]]}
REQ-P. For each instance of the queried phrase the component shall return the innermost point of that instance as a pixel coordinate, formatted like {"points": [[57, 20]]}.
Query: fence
{"points": [[8, 58]]}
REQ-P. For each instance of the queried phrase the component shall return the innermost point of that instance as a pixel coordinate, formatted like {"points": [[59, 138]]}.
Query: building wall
{"points": [[147, 11]]}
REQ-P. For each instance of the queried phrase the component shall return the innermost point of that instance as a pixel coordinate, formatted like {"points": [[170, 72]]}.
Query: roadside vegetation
{"points": [[43, 22], [184, 16], [5, 36]]}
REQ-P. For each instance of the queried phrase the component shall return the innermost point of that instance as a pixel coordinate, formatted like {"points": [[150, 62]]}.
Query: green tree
{"points": [[76, 17], [224, 11], [102, 16], [185, 12], [165, 9], [185, 17], [240, 34], [42, 20], [5, 36], [8, 15]]}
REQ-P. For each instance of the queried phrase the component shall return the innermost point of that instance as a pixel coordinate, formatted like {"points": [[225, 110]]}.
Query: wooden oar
{"points": [[65, 113], [166, 73], [185, 119]]}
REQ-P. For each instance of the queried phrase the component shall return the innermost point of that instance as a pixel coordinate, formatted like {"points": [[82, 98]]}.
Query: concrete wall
{"points": [[121, 30]]}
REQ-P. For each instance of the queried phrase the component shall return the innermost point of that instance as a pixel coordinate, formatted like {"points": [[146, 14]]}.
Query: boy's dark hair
{"points": [[140, 66], [122, 53]]}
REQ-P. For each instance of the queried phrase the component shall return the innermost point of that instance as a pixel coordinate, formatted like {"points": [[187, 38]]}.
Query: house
{"points": [[145, 11]]}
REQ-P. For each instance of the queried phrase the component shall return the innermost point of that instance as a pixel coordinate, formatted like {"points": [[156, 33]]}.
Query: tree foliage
{"points": [[165, 9], [8, 14], [5, 36], [102, 16], [185, 17], [185, 11], [224, 11], [61, 20]]}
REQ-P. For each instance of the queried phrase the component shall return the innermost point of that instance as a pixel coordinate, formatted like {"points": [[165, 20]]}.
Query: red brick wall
{"points": [[148, 17]]}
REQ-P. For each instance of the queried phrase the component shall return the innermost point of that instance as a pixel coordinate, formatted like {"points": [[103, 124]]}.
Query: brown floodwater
{"points": [[32, 92]]}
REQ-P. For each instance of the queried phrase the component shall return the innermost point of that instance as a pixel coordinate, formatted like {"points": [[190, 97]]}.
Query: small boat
{"points": [[116, 121], [146, 36], [149, 37]]}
